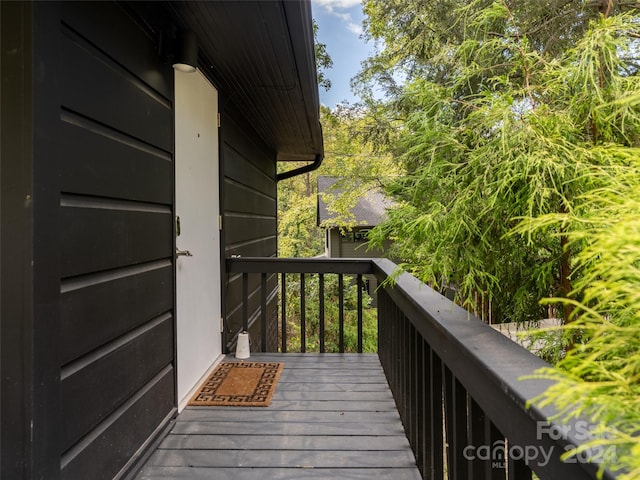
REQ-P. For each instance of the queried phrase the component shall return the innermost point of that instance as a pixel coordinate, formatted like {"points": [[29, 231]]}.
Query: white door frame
{"points": [[197, 204]]}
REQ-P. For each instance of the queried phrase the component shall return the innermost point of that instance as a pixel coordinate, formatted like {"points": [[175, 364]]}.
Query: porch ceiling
{"points": [[262, 53]]}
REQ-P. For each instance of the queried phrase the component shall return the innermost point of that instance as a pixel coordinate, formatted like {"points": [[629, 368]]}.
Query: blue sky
{"points": [[340, 28]]}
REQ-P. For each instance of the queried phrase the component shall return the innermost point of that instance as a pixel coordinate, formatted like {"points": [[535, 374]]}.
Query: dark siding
{"points": [[103, 241], [16, 234], [250, 226]]}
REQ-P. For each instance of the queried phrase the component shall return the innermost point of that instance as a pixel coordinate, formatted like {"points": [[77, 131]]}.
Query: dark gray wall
{"points": [[16, 233], [97, 351], [340, 247], [250, 225], [87, 286]]}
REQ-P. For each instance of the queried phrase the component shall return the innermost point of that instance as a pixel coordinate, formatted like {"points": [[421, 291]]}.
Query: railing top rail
{"points": [[299, 265], [462, 338]]}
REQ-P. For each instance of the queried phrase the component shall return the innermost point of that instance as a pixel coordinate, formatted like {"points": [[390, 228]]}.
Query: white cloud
{"points": [[355, 28], [349, 23], [329, 5], [332, 7]]}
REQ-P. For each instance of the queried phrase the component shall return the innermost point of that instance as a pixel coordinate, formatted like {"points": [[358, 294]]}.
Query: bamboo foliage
{"points": [[530, 141], [600, 379]]}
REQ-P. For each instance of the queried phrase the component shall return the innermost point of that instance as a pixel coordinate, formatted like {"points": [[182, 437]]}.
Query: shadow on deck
{"points": [[332, 416]]}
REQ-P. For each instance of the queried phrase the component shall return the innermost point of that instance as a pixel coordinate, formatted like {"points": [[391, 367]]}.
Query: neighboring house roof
{"points": [[369, 211], [263, 51]]}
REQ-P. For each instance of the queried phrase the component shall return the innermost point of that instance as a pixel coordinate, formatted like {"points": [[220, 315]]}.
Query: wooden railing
{"points": [[346, 271], [461, 388]]}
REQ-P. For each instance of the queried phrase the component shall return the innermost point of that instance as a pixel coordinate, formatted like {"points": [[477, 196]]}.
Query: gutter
{"points": [[299, 171]]}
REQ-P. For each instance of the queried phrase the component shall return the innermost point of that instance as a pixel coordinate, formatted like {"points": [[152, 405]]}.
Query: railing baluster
{"points": [[321, 310], [449, 413], [413, 385], [383, 322], [341, 313], [495, 467], [518, 470], [460, 417], [406, 329], [359, 313], [303, 316], [399, 350], [477, 437], [283, 316], [437, 433], [394, 333], [263, 309], [456, 426], [427, 405], [404, 372], [418, 379]]}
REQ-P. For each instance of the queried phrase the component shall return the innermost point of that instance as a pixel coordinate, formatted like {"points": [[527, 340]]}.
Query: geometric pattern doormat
{"points": [[239, 384]]}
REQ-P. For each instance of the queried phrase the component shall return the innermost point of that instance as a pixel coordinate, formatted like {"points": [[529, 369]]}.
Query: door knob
{"points": [[183, 253]]}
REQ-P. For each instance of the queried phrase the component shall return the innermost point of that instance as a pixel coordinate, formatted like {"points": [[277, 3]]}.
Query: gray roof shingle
{"points": [[369, 211]]}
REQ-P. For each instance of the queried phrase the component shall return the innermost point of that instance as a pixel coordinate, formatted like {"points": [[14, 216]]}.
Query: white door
{"points": [[198, 311]]}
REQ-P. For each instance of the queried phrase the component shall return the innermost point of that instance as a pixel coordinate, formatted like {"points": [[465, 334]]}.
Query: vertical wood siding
{"points": [[104, 160], [250, 226]]}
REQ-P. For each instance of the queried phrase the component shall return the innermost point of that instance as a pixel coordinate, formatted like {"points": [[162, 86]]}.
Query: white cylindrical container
{"points": [[242, 347]]}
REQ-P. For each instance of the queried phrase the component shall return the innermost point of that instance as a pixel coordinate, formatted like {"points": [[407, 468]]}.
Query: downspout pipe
{"points": [[299, 171]]}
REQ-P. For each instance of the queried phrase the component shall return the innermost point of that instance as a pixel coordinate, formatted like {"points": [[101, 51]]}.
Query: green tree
{"points": [[347, 157], [417, 40], [524, 164], [323, 60], [494, 143], [600, 379], [298, 234]]}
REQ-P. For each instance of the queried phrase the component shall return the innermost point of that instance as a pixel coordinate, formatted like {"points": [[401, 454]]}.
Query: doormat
{"points": [[239, 384]]}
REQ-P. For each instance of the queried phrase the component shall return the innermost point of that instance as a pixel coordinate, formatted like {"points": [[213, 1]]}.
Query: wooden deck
{"points": [[332, 416]]}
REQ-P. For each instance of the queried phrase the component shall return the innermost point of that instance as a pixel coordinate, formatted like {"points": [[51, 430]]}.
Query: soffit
{"points": [[261, 56]]}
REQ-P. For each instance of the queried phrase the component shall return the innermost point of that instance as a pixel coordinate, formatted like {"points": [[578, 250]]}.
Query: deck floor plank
{"points": [[203, 414], [200, 473], [332, 416]]}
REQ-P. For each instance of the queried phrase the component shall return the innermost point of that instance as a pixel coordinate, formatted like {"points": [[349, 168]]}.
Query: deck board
{"points": [[332, 416]]}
